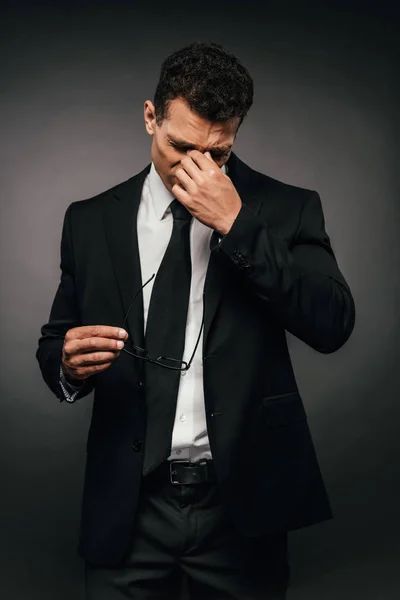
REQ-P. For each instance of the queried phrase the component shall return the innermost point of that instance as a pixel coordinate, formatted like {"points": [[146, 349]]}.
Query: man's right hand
{"points": [[90, 349]]}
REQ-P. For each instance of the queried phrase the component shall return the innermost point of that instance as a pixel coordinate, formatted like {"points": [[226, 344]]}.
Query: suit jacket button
{"points": [[137, 444]]}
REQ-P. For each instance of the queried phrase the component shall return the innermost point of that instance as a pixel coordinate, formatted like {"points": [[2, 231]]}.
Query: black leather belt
{"points": [[185, 472]]}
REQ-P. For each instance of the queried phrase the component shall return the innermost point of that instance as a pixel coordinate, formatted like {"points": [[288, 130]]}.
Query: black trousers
{"points": [[185, 529]]}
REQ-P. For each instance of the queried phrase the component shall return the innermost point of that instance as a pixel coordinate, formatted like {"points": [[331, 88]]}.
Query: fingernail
{"points": [[122, 333], [120, 344]]}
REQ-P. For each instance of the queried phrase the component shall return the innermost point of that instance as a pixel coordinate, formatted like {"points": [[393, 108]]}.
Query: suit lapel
{"points": [[120, 218]]}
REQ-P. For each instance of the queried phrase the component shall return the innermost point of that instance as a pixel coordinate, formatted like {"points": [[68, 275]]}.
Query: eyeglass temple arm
{"points": [[134, 298]]}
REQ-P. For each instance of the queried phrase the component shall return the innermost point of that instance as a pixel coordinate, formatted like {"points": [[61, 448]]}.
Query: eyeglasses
{"points": [[162, 361]]}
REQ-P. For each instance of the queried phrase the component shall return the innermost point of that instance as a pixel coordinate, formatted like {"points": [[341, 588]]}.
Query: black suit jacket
{"points": [[274, 270]]}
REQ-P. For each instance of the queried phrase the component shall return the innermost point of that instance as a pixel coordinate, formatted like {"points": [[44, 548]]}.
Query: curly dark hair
{"points": [[212, 80]]}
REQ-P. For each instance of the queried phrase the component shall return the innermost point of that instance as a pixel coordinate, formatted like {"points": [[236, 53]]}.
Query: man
{"points": [[199, 455]]}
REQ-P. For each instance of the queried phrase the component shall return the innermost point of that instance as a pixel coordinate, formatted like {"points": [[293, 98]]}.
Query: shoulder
{"points": [[93, 203], [282, 204], [261, 182]]}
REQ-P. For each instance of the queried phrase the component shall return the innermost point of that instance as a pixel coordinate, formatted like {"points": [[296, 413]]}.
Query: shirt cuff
{"points": [[70, 391]]}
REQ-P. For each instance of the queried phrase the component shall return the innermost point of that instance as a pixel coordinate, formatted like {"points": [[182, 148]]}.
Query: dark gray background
{"points": [[73, 84]]}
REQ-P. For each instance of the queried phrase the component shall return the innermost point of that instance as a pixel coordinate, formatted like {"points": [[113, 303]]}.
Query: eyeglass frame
{"points": [[147, 356]]}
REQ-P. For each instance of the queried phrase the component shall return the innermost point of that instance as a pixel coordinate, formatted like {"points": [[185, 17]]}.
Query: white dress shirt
{"points": [[154, 228]]}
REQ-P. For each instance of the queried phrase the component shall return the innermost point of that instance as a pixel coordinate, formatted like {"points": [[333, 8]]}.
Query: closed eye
{"points": [[215, 155], [180, 148]]}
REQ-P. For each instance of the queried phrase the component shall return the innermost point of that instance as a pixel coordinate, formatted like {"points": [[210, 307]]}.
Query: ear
{"points": [[149, 114]]}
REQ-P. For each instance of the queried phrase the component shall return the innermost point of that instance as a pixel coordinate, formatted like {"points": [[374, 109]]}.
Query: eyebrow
{"points": [[188, 146]]}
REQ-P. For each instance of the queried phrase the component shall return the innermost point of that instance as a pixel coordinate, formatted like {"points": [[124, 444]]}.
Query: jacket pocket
{"points": [[283, 409]]}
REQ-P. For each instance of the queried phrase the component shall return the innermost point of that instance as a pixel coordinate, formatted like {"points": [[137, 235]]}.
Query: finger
{"points": [[181, 195], [89, 331], [185, 180], [93, 344], [201, 161], [85, 372], [211, 171], [191, 168], [94, 358]]}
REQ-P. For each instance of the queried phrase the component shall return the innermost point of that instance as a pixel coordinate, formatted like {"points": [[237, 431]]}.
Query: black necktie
{"points": [[165, 336]]}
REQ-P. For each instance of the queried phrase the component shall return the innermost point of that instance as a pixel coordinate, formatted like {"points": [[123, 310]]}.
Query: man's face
{"points": [[184, 130]]}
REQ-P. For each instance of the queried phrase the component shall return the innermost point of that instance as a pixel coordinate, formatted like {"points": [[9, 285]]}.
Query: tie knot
{"points": [[179, 211]]}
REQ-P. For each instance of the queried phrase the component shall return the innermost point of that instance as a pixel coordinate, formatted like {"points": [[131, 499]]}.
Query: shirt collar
{"points": [[160, 196]]}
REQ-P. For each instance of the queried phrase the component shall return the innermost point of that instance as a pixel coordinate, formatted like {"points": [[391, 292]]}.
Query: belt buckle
{"points": [[172, 473], [197, 464]]}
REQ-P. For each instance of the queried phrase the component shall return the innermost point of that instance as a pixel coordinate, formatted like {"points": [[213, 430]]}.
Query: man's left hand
{"points": [[207, 192]]}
